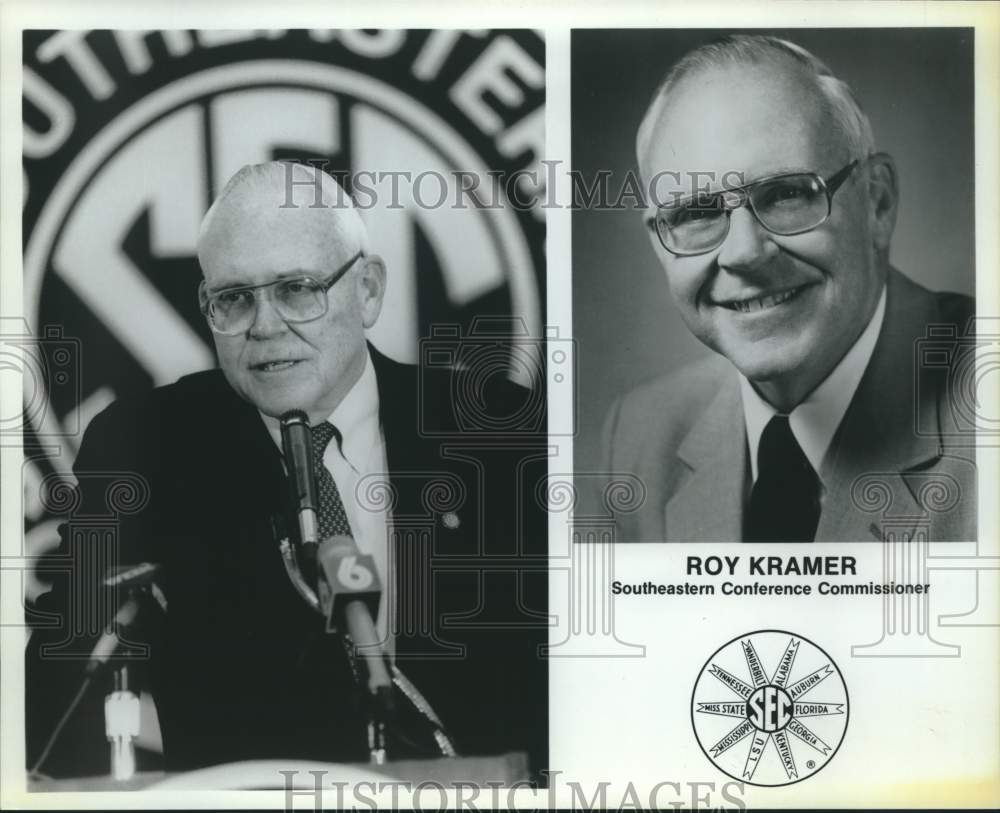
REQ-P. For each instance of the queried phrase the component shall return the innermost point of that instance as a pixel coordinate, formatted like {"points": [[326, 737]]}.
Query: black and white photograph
{"points": [[490, 406], [774, 281], [283, 447]]}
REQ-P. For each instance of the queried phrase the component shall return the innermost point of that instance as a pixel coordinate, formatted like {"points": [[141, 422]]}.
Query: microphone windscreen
{"points": [[296, 444]]}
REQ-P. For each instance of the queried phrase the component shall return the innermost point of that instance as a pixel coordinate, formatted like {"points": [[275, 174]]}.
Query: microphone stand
{"points": [[377, 691], [379, 703], [121, 706], [301, 586], [378, 694], [121, 726]]}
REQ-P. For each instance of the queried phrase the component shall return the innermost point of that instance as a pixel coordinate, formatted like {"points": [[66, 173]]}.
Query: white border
{"points": [[556, 16]]}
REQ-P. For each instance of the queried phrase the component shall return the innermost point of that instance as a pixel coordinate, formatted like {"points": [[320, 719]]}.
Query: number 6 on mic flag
{"points": [[347, 575], [356, 575]]}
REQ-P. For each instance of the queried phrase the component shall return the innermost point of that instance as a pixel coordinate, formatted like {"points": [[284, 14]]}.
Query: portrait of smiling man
{"points": [[239, 665], [772, 211]]}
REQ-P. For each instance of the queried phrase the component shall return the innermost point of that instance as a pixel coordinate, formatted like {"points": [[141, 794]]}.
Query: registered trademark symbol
{"points": [[810, 764]]}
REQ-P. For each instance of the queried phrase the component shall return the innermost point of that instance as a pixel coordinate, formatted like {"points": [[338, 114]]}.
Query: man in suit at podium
{"points": [[240, 666], [772, 215]]}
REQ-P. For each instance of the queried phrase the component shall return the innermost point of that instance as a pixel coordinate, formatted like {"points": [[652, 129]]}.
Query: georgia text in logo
{"points": [[770, 708]]}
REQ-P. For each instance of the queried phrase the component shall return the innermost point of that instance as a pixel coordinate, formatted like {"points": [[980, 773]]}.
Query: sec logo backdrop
{"points": [[128, 135]]}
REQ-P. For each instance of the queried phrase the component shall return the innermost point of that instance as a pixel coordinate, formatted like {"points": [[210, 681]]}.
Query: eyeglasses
{"points": [[787, 204], [232, 311]]}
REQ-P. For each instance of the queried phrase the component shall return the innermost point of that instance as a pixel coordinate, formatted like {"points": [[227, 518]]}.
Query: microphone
{"points": [[349, 594], [138, 575], [141, 576], [296, 443], [138, 579], [108, 642]]}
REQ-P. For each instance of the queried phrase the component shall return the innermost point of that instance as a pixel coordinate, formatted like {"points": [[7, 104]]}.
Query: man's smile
{"points": [[274, 366], [760, 302]]}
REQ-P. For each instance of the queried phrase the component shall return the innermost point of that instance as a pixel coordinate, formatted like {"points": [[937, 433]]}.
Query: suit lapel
{"points": [[708, 505], [408, 457], [879, 440], [407, 452]]}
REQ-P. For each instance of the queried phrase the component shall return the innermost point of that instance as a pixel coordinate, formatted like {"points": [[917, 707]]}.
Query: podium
{"points": [[277, 774]]}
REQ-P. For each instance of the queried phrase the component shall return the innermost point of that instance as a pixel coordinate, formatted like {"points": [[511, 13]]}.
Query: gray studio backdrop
{"points": [[916, 86]]}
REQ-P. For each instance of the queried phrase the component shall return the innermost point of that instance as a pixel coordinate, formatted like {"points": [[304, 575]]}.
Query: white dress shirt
{"points": [[814, 422], [360, 467]]}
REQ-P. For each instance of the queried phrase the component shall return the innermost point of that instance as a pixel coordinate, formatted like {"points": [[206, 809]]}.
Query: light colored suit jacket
{"points": [[902, 459]]}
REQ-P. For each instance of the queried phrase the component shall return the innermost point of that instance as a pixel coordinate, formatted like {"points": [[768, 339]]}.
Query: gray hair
{"points": [[746, 49], [281, 180]]}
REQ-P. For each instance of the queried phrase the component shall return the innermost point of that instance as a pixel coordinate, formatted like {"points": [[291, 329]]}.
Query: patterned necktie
{"points": [[784, 503], [332, 516]]}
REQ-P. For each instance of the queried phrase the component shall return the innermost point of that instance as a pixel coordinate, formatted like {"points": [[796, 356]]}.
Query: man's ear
{"points": [[371, 289], [883, 197]]}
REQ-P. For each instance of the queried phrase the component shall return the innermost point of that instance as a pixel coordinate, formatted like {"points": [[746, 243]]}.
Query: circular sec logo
{"points": [[128, 136], [436, 135], [769, 708]]}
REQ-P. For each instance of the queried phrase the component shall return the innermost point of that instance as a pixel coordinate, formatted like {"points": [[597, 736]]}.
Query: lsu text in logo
{"points": [[770, 708]]}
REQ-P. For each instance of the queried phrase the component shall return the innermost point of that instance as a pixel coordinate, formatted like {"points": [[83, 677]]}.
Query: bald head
{"points": [[261, 198], [830, 102], [728, 125]]}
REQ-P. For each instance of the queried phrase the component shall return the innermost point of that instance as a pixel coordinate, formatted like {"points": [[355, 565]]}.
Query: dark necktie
{"points": [[784, 503], [332, 516]]}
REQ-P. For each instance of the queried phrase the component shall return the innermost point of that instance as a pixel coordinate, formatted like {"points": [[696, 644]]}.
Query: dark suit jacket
{"points": [[240, 666], [900, 460]]}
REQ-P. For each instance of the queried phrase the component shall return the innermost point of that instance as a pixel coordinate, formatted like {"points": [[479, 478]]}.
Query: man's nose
{"points": [[748, 244], [267, 322]]}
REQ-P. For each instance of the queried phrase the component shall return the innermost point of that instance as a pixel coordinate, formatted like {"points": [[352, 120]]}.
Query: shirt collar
{"points": [[814, 422], [356, 418]]}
